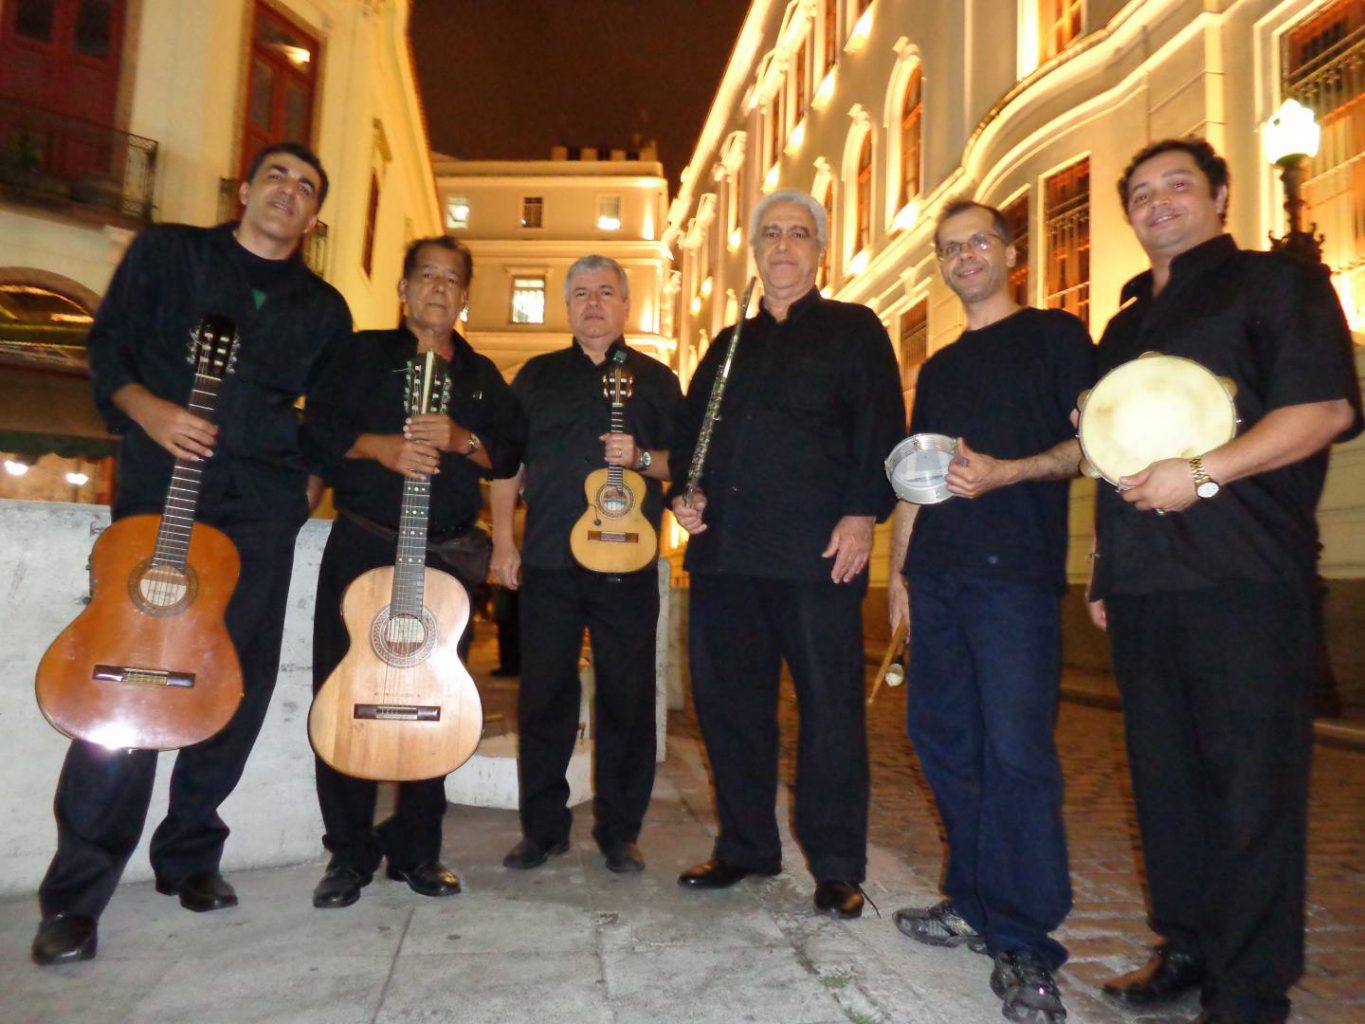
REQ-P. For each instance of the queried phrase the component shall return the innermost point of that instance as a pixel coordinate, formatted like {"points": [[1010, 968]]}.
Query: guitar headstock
{"points": [[618, 383], [427, 388], [213, 347]]}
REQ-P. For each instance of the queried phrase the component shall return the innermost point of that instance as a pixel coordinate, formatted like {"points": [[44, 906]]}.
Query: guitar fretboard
{"points": [[409, 575], [182, 497]]}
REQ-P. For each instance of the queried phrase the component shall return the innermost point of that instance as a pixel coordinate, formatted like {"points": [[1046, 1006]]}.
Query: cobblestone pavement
{"points": [[1106, 932]]}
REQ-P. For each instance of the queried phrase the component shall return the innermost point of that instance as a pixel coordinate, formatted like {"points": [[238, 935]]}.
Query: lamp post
{"points": [[1291, 137]]}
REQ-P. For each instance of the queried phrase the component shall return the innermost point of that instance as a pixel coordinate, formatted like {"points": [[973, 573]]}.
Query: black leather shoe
{"points": [[624, 858], [530, 854], [339, 886], [64, 939], [839, 899], [201, 891], [1164, 978], [429, 879], [717, 874]]}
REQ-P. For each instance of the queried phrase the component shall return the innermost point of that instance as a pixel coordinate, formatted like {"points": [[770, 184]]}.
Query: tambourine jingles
{"points": [[1151, 408], [918, 468]]}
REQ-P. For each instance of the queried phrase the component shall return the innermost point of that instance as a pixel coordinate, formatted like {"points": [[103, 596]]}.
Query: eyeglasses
{"points": [[980, 242]]}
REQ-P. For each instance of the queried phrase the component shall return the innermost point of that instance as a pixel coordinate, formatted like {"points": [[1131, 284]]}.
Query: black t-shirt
{"points": [[1276, 328], [567, 412], [811, 408], [362, 392], [1008, 389]]}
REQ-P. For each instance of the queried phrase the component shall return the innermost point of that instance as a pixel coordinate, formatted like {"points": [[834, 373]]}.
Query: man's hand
{"points": [[898, 603], [689, 517], [850, 544], [507, 564], [412, 459], [973, 474], [620, 450], [1099, 615], [173, 427], [436, 430], [1165, 486]]}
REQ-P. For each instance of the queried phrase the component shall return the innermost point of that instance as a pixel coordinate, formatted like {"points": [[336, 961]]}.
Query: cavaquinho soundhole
{"points": [[614, 500], [403, 640], [162, 589]]}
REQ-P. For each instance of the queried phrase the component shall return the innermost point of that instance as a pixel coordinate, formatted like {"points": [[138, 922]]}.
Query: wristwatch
{"points": [[644, 460], [473, 444], [1205, 486]]}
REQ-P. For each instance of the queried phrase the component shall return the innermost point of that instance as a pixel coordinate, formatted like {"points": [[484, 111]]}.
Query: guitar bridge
{"points": [[613, 537], [142, 676], [397, 712]]}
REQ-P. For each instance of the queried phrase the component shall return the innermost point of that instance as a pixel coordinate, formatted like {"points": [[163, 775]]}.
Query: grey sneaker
{"points": [[1028, 989], [939, 925]]}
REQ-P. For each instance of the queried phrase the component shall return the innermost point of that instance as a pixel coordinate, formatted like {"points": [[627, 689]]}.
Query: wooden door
{"points": [[281, 80]]}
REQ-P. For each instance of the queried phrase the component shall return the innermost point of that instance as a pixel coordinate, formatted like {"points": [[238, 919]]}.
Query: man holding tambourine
{"points": [[1204, 577]]}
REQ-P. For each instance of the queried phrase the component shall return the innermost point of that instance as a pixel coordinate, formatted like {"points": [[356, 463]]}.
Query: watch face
{"points": [[1207, 489]]}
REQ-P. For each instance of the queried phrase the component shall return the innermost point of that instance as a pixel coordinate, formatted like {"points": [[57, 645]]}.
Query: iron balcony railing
{"points": [[314, 243], [72, 165]]}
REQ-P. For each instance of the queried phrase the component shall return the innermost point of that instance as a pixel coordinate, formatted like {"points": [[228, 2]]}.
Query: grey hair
{"points": [[587, 264], [791, 195]]}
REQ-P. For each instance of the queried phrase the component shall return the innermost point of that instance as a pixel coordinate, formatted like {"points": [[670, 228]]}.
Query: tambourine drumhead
{"points": [[1154, 407], [918, 468]]}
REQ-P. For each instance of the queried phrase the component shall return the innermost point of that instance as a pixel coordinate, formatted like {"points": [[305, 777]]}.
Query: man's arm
{"points": [[503, 506], [974, 473], [897, 593]]}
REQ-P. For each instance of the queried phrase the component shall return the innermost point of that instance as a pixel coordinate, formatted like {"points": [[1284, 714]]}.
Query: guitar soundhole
{"points": [[162, 589], [613, 501], [403, 640]]}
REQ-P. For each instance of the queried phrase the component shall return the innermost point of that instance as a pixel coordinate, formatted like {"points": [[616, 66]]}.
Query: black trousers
{"points": [[1217, 701], [103, 796], [741, 629], [621, 615], [412, 835]]}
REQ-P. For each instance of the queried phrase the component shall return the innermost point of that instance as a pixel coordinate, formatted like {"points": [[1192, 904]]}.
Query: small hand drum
{"points": [[918, 468], [1152, 408]]}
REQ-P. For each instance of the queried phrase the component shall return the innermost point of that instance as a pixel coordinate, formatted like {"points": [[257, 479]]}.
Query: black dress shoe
{"points": [[339, 886], [200, 891], [64, 939], [839, 899], [1167, 976], [530, 854], [624, 858], [717, 874], [429, 879]]}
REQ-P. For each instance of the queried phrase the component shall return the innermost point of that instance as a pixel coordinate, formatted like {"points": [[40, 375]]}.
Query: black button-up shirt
{"points": [[1276, 328], [362, 392], [811, 408], [172, 276], [567, 412]]}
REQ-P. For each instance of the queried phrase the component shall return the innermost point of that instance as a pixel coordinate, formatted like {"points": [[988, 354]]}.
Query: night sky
{"points": [[508, 79]]}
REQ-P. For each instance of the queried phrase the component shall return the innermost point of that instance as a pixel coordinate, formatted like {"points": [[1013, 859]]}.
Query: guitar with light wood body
{"points": [[613, 535], [149, 664], [400, 706]]}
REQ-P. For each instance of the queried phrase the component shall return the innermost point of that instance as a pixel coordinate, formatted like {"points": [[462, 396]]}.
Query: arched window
{"points": [[831, 33], [912, 115], [863, 215]]}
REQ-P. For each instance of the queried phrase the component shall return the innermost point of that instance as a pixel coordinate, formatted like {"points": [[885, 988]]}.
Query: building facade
{"points": [[118, 113], [885, 110], [526, 221]]}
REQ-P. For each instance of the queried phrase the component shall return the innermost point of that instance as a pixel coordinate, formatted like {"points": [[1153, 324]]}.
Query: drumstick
{"points": [[892, 649]]}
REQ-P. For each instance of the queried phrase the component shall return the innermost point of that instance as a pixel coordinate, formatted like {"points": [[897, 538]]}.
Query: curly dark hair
{"points": [[295, 149], [1206, 158]]}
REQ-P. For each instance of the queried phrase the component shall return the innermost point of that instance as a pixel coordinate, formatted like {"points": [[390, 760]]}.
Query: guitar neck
{"points": [[182, 497], [616, 474], [409, 575]]}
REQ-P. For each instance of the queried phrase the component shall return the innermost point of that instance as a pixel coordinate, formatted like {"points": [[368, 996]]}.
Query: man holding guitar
{"points": [[567, 397], [369, 446], [254, 479]]}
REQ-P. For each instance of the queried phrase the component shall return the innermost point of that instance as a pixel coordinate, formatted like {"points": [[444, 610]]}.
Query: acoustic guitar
{"points": [[400, 706], [149, 664], [613, 535]]}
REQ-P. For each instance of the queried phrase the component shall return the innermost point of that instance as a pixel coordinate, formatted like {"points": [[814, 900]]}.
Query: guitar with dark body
{"points": [[149, 664]]}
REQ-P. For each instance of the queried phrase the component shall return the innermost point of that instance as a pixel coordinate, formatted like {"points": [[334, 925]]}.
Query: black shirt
{"points": [[812, 407], [567, 412], [362, 392], [1276, 328], [1009, 389], [172, 276]]}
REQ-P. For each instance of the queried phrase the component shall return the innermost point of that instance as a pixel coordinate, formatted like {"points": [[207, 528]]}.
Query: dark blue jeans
{"points": [[981, 708]]}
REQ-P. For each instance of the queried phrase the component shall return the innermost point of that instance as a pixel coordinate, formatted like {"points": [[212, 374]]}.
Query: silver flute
{"points": [[708, 423]]}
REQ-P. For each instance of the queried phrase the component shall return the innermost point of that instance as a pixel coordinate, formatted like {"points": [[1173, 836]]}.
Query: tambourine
{"points": [[918, 468], [1152, 408]]}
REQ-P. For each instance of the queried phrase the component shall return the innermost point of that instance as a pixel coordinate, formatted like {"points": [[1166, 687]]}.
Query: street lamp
{"points": [[1291, 139]]}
